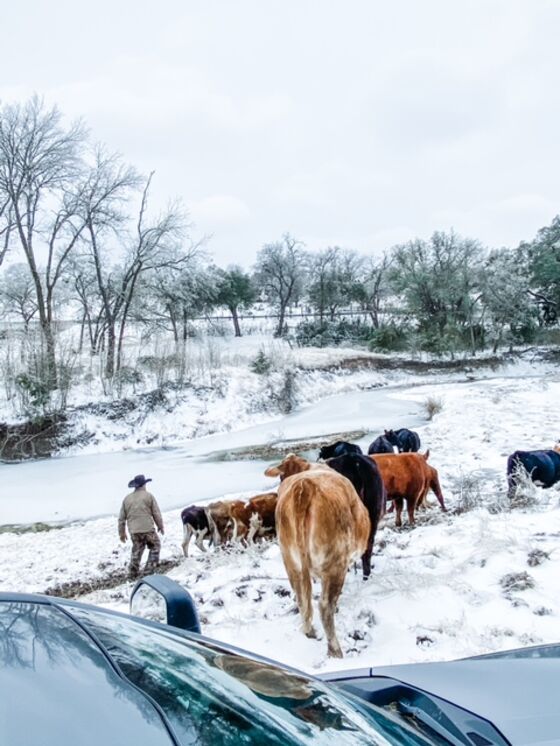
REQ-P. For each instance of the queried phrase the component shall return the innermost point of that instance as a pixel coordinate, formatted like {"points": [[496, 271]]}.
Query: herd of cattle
{"points": [[325, 514]]}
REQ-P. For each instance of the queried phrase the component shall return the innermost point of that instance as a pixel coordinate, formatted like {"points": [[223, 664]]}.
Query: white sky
{"points": [[352, 122]]}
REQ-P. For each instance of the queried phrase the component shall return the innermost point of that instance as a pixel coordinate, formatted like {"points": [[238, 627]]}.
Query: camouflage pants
{"points": [[139, 542]]}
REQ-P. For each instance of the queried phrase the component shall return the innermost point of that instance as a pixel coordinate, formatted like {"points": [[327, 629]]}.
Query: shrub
{"points": [[287, 394], [34, 392], [332, 333], [432, 406], [127, 376], [262, 364], [390, 338]]}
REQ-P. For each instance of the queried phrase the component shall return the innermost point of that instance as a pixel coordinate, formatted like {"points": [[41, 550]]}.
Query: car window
{"points": [[213, 697], [57, 687]]}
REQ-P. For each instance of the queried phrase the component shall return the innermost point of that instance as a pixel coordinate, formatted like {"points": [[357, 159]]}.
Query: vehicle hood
{"points": [[517, 691]]}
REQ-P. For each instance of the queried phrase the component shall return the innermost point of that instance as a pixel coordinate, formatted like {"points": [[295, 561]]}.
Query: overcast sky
{"points": [[355, 122]]}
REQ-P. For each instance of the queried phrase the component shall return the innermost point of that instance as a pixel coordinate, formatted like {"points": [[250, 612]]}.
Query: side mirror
{"points": [[160, 599]]}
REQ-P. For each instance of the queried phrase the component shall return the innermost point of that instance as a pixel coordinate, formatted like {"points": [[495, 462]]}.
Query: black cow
{"points": [[407, 441], [338, 448], [380, 445], [195, 521], [543, 467], [364, 475]]}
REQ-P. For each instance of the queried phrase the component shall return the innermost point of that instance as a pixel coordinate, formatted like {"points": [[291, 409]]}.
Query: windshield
{"points": [[212, 696], [57, 687]]}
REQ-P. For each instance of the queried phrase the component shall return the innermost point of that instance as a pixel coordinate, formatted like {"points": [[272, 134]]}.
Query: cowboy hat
{"points": [[138, 481]]}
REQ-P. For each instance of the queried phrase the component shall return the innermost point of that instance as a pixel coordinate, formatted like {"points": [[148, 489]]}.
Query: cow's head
{"points": [[391, 437], [290, 465]]}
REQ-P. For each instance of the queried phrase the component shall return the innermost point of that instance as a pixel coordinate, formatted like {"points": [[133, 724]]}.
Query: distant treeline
{"points": [[78, 239]]}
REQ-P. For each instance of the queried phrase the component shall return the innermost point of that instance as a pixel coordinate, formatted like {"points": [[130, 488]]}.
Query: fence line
{"points": [[227, 317]]}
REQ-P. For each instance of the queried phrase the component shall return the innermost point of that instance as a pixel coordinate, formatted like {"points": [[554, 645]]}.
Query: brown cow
{"points": [[231, 520], [322, 527], [253, 519], [220, 519], [408, 476], [262, 523]]}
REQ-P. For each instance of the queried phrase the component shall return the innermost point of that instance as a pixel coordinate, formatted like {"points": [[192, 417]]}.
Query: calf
{"points": [[366, 479], [253, 519], [381, 445], [339, 448], [322, 527], [407, 476], [221, 521], [407, 441], [195, 521], [542, 467], [262, 522]]}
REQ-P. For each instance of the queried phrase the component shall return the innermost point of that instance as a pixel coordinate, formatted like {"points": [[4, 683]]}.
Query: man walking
{"points": [[140, 511]]}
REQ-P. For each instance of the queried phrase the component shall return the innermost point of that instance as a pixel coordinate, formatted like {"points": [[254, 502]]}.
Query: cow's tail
{"points": [[436, 489], [302, 522], [254, 527], [374, 495], [513, 467], [216, 539]]}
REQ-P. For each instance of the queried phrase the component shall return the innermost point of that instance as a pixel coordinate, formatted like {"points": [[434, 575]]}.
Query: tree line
{"points": [[78, 235]]}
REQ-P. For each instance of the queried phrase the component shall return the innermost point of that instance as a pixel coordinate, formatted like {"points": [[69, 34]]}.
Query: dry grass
{"points": [[432, 405]]}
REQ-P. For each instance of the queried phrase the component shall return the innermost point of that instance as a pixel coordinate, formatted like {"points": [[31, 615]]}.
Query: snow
{"points": [[85, 486], [436, 590]]}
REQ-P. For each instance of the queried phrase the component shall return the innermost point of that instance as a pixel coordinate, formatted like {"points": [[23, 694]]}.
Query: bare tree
{"points": [[82, 282], [156, 245], [6, 225], [17, 293], [374, 287], [279, 271], [105, 193], [39, 166], [176, 295]]}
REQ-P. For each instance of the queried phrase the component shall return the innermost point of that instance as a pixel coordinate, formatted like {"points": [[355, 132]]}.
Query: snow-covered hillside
{"points": [[480, 578]]}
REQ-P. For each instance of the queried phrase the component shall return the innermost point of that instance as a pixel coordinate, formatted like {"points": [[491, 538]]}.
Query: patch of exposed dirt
{"points": [[412, 365], [77, 588], [37, 438], [278, 449]]}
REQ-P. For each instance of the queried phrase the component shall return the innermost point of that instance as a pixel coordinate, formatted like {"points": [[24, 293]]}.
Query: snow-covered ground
{"points": [[437, 591]]}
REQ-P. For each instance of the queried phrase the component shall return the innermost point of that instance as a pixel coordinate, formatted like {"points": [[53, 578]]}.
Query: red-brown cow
{"points": [[408, 476], [255, 518], [322, 527]]}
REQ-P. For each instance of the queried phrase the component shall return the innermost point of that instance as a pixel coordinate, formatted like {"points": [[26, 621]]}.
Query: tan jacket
{"points": [[140, 510]]}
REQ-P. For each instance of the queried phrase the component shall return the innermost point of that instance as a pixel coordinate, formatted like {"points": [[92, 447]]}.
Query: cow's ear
{"points": [[273, 471]]}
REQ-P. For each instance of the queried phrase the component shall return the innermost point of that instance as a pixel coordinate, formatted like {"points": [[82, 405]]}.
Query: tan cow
{"points": [[322, 526]]}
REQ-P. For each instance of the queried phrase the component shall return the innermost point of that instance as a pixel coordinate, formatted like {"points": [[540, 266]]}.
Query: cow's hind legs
{"points": [[300, 580], [200, 538], [398, 502], [331, 589], [187, 533], [410, 506]]}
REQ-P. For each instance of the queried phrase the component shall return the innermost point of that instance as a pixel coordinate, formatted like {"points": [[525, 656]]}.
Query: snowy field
{"points": [[438, 591]]}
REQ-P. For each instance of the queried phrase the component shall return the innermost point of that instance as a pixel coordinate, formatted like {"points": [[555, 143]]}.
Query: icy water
{"points": [[81, 487]]}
